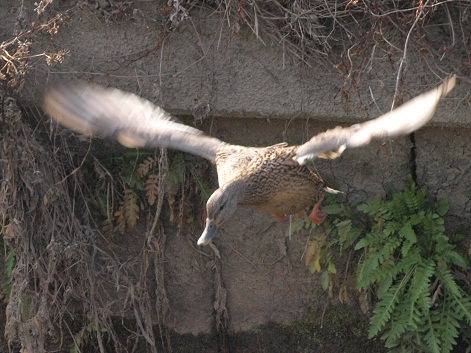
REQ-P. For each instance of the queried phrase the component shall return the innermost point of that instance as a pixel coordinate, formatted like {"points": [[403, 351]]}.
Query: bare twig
{"points": [[404, 53]]}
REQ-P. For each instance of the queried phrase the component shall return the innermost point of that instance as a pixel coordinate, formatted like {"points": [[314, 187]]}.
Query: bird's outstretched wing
{"points": [[133, 121], [400, 121]]}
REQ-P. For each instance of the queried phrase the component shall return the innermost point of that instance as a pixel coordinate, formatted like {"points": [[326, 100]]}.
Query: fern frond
{"points": [[369, 240], [462, 307], [389, 248], [414, 198], [391, 228], [148, 164], [131, 208], [446, 278], [107, 227], [455, 258], [382, 275], [384, 283], [120, 219], [442, 207], [393, 337], [420, 284], [399, 325], [448, 321], [176, 168], [371, 270], [431, 337], [408, 234], [384, 308], [152, 188], [128, 211], [346, 240], [432, 226], [372, 208], [397, 206], [343, 227], [366, 267]]}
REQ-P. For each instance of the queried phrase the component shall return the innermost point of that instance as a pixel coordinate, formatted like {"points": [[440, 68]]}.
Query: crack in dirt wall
{"points": [[413, 158]]}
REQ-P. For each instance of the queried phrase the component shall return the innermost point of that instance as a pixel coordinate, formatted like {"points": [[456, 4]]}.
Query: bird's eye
{"points": [[220, 208]]}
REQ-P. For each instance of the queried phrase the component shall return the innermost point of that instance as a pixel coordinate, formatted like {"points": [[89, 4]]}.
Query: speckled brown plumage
{"points": [[271, 179]]}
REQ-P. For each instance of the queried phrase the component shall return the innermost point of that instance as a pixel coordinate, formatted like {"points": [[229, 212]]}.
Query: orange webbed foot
{"points": [[317, 216]]}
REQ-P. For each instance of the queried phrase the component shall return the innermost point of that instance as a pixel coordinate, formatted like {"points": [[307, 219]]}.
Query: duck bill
{"points": [[208, 233]]}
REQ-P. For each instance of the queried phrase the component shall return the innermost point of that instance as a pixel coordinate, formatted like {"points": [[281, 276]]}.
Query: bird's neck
{"points": [[236, 188]]}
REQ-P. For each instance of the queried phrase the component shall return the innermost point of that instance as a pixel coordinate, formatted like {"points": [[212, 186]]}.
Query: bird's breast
{"points": [[272, 181], [283, 190]]}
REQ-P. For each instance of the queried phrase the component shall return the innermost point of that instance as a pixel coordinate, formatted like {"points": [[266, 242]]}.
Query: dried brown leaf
{"points": [[152, 188]]}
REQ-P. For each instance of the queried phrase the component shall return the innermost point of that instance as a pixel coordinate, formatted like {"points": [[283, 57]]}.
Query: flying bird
{"points": [[274, 179]]}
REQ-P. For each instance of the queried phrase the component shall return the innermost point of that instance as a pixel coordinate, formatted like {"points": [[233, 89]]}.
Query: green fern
{"points": [[408, 261]]}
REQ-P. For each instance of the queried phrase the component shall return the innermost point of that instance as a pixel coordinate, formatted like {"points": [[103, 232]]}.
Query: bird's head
{"points": [[220, 208]]}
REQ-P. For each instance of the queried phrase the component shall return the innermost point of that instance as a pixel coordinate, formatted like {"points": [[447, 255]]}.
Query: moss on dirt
{"points": [[338, 328]]}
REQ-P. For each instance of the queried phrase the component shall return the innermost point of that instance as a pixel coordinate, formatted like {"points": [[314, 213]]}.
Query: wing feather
{"points": [[400, 121], [133, 121]]}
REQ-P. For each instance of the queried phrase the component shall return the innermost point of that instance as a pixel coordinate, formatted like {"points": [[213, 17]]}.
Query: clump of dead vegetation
{"points": [[319, 28], [348, 34], [355, 35], [17, 55], [67, 283]]}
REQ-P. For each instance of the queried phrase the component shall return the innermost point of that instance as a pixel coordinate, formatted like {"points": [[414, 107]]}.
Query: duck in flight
{"points": [[274, 179]]}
